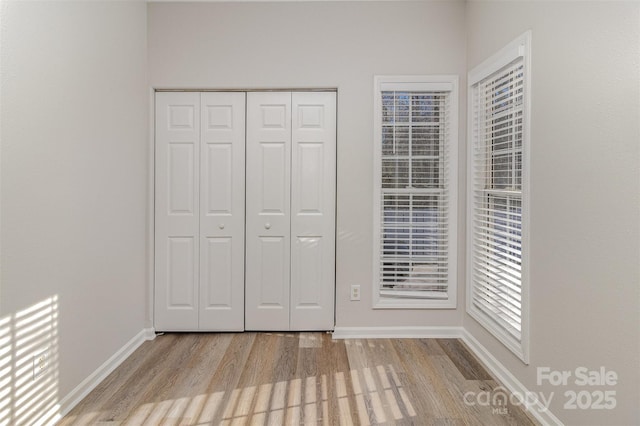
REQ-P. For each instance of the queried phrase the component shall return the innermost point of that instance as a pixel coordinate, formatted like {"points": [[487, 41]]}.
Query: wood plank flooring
{"points": [[295, 378]]}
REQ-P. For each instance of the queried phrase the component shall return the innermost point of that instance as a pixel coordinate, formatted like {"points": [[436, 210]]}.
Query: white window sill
{"points": [[400, 303]]}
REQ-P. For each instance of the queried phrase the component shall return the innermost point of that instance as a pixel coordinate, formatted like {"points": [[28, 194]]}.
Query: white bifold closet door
{"points": [[290, 203], [199, 211]]}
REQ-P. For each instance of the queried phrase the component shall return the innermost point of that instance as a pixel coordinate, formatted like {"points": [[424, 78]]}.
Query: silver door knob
{"points": [[221, 225], [267, 225]]}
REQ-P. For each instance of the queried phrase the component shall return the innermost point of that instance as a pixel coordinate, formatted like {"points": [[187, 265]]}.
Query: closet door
{"points": [[313, 184], [290, 256], [199, 236], [177, 211], [268, 211], [219, 266], [222, 211]]}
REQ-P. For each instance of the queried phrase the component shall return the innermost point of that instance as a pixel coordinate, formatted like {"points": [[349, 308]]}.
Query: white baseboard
{"points": [[67, 403], [508, 380], [397, 332]]}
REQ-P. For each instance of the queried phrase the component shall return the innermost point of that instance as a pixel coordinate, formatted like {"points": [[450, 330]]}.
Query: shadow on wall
{"points": [[29, 365]]}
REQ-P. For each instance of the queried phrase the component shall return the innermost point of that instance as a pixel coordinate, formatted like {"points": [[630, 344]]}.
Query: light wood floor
{"points": [[295, 378]]}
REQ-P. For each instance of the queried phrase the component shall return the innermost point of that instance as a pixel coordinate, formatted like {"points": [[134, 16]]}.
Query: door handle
{"points": [[221, 225], [267, 225]]}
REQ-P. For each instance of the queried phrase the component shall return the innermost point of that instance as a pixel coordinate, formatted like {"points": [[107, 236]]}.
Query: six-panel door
{"points": [[202, 229], [222, 212], [268, 211], [313, 184], [177, 208]]}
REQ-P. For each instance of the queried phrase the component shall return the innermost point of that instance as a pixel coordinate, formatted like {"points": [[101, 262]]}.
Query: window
{"points": [[498, 195], [415, 192]]}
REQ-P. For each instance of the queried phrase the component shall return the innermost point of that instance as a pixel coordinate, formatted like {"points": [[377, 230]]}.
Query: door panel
{"points": [[181, 258], [222, 211], [308, 252], [219, 179], [275, 186], [181, 159], [219, 274], [177, 204], [313, 210], [268, 243], [273, 295], [310, 180]]}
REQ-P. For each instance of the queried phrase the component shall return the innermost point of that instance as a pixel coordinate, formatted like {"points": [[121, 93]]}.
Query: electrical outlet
{"points": [[40, 364], [355, 292]]}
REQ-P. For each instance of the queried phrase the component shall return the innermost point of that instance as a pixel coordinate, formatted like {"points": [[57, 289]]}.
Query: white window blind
{"points": [[414, 189], [496, 201]]}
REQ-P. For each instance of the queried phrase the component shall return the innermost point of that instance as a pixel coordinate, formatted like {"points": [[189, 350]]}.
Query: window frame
{"points": [[520, 48], [434, 83]]}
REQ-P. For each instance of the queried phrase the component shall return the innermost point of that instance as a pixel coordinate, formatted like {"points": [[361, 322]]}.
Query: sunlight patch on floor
{"points": [[297, 401]]}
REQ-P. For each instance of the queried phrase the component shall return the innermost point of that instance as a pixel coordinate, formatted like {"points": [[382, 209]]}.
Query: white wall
{"points": [[318, 44], [585, 218], [73, 196]]}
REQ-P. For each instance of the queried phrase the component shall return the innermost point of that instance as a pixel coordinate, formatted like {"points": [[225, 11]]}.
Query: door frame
{"points": [[151, 176]]}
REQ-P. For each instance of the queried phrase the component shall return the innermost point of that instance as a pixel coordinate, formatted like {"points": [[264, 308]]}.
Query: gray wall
{"points": [[73, 219], [585, 183], [319, 44]]}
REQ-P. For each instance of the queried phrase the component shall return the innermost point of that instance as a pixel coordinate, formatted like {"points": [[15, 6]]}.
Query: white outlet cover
{"points": [[355, 292], [40, 363]]}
